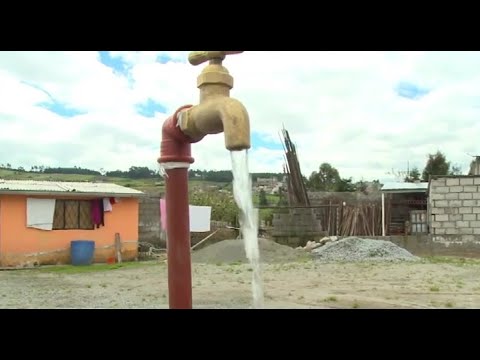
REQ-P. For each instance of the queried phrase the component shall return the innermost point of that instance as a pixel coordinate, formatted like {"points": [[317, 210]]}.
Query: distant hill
{"points": [[141, 178]]}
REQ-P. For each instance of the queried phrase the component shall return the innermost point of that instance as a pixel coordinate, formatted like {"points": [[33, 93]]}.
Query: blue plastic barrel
{"points": [[82, 251]]}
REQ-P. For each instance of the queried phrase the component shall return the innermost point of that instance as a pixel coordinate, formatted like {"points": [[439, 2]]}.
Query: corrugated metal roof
{"points": [[48, 187], [405, 187]]}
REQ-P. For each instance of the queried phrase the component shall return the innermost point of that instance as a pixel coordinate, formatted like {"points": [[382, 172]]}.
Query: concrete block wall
{"points": [[297, 222], [454, 208], [149, 221]]}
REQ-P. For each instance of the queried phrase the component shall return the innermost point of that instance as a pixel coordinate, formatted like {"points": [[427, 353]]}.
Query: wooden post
{"points": [[118, 248], [383, 214], [204, 239]]}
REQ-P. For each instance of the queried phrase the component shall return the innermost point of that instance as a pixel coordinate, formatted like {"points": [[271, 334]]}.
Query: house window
{"points": [[72, 214]]}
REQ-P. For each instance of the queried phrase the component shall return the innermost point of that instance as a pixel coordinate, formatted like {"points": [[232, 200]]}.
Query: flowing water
{"points": [[242, 192]]}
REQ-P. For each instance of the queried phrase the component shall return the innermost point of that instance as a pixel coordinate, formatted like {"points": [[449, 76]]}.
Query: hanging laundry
{"points": [[163, 214], [97, 212], [107, 206], [40, 213], [102, 212], [200, 218]]}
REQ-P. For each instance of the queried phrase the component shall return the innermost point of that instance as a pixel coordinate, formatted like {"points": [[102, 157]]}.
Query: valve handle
{"points": [[199, 57]]}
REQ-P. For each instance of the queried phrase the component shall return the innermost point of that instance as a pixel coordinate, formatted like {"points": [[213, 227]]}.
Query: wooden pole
{"points": [[204, 239], [383, 214], [118, 248]]}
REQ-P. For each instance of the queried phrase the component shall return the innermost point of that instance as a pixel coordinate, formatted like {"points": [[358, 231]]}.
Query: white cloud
{"points": [[339, 107]]}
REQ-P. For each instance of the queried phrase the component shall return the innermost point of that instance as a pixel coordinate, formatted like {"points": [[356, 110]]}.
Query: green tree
{"points": [[223, 205], [456, 170], [437, 164], [361, 186], [282, 197], [328, 179], [413, 176], [262, 198]]}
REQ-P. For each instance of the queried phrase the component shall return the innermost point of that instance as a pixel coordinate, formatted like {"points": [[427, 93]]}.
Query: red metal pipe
{"points": [[175, 155]]}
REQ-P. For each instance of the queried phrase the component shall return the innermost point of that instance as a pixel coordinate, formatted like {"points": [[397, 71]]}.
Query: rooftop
{"points": [[32, 187], [405, 187]]}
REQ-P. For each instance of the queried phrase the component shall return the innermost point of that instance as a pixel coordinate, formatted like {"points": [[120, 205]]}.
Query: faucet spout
{"points": [[215, 115]]}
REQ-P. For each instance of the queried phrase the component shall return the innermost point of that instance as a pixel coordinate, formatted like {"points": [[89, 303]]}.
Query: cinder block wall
{"points": [[454, 208], [149, 221], [296, 226], [297, 222]]}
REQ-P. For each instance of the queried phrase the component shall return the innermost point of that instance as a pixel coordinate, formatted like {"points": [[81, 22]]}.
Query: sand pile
{"points": [[354, 249], [228, 251]]}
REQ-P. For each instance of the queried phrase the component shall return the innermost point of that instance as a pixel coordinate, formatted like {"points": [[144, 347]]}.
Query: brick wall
{"points": [[454, 208]]}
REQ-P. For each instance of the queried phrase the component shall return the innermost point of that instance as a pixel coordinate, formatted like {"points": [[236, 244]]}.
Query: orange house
{"points": [[39, 219]]}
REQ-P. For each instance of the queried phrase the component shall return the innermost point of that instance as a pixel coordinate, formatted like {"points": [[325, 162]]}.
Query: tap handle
{"points": [[198, 57]]}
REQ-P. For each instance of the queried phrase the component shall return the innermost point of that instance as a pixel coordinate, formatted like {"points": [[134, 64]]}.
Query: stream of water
{"points": [[242, 192]]}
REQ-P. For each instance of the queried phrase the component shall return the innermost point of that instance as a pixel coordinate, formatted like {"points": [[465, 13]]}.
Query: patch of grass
{"points": [[291, 266], [355, 305], [89, 286], [219, 264], [452, 260], [70, 269], [331, 299], [449, 304], [103, 285], [434, 288], [301, 297]]}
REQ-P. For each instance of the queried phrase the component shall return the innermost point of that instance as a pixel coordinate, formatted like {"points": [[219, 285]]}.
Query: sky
{"points": [[367, 113]]}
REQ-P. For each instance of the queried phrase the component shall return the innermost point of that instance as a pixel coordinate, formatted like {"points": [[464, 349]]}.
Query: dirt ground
{"points": [[433, 283]]}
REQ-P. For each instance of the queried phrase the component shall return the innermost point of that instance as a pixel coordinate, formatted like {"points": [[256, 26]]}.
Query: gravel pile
{"points": [[229, 251], [353, 249]]}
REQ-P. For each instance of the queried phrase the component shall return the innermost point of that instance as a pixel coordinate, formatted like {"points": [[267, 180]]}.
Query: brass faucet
{"points": [[217, 111]]}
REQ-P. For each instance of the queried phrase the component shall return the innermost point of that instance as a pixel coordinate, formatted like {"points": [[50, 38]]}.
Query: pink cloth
{"points": [[163, 214], [97, 212]]}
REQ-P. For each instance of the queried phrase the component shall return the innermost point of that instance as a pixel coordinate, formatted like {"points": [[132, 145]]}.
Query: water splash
{"points": [[242, 192]]}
